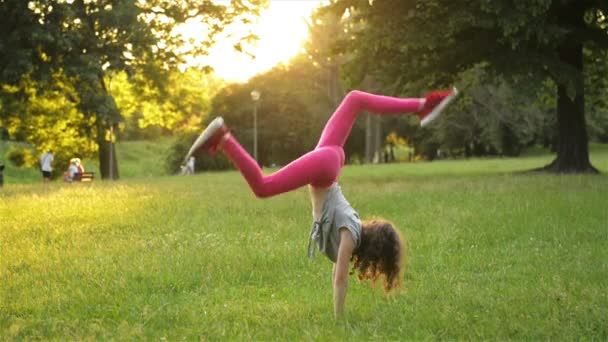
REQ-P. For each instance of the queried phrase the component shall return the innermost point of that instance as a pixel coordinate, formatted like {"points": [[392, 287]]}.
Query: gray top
{"points": [[337, 213]]}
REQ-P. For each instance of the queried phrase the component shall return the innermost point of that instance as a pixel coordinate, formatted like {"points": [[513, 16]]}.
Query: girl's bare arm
{"points": [[341, 268]]}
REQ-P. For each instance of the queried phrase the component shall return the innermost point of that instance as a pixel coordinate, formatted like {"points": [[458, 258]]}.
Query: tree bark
{"points": [[377, 140], [369, 135], [108, 164], [572, 140], [333, 84]]}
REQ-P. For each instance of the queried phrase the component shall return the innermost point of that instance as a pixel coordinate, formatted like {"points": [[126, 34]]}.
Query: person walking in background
{"points": [[46, 166], [189, 166], [374, 247]]}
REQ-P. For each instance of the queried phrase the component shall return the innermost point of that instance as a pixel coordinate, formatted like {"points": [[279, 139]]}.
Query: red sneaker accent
{"points": [[212, 145], [435, 102]]}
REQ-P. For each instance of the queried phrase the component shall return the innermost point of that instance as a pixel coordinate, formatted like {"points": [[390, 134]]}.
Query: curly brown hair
{"points": [[380, 253]]}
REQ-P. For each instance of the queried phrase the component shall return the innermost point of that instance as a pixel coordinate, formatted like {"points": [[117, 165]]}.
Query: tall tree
{"points": [[425, 42], [324, 30], [327, 33], [89, 39]]}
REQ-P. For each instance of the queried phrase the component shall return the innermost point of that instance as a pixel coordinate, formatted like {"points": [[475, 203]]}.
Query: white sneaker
{"points": [[210, 137], [435, 103]]}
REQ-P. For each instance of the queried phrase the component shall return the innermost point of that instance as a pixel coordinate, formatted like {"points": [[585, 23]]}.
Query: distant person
{"points": [[46, 166], [375, 247], [72, 173], [79, 165], [188, 167], [189, 170], [1, 175], [439, 154]]}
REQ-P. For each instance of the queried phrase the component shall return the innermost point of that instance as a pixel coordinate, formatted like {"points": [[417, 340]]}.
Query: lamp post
{"points": [[255, 96]]}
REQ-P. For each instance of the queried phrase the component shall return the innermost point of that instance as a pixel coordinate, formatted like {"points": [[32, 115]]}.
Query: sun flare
{"points": [[282, 30]]}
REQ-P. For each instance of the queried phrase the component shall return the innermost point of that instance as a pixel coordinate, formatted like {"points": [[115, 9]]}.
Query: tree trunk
{"points": [[373, 127], [333, 84], [373, 139], [377, 140], [572, 141], [108, 165], [369, 149]]}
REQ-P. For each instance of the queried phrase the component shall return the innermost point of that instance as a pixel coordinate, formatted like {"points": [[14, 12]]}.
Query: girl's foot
{"points": [[435, 102], [210, 139]]}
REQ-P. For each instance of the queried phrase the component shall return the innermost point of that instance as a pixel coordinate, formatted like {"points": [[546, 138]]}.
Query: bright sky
{"points": [[281, 29]]}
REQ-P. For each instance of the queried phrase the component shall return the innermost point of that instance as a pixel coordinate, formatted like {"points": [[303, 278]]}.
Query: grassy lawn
{"points": [[137, 159], [493, 254]]}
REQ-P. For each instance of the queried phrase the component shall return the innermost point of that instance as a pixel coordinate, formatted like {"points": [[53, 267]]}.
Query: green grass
{"points": [[142, 158], [494, 254], [136, 159]]}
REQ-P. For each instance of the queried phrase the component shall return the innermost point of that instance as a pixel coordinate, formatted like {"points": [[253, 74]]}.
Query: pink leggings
{"points": [[321, 166]]}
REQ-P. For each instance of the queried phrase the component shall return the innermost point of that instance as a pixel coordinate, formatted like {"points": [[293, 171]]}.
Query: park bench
{"points": [[84, 177]]}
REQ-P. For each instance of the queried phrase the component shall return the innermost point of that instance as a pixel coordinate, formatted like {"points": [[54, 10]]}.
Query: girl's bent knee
{"points": [[262, 193], [354, 94]]}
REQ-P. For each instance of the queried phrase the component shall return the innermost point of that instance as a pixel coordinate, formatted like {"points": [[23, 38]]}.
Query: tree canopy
{"points": [[532, 72], [85, 41], [422, 44]]}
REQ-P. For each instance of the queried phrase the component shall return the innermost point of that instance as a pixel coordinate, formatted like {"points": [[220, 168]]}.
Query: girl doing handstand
{"points": [[374, 247]]}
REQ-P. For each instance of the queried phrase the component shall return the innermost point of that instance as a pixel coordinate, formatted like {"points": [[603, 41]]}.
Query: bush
{"points": [[3, 133], [18, 156]]}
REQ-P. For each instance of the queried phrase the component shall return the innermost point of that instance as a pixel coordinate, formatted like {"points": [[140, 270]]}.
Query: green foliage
{"points": [[17, 156], [148, 111], [494, 255], [428, 42], [50, 119], [191, 92], [417, 45], [291, 112], [325, 30], [14, 174], [596, 101], [90, 40], [396, 148], [491, 118]]}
